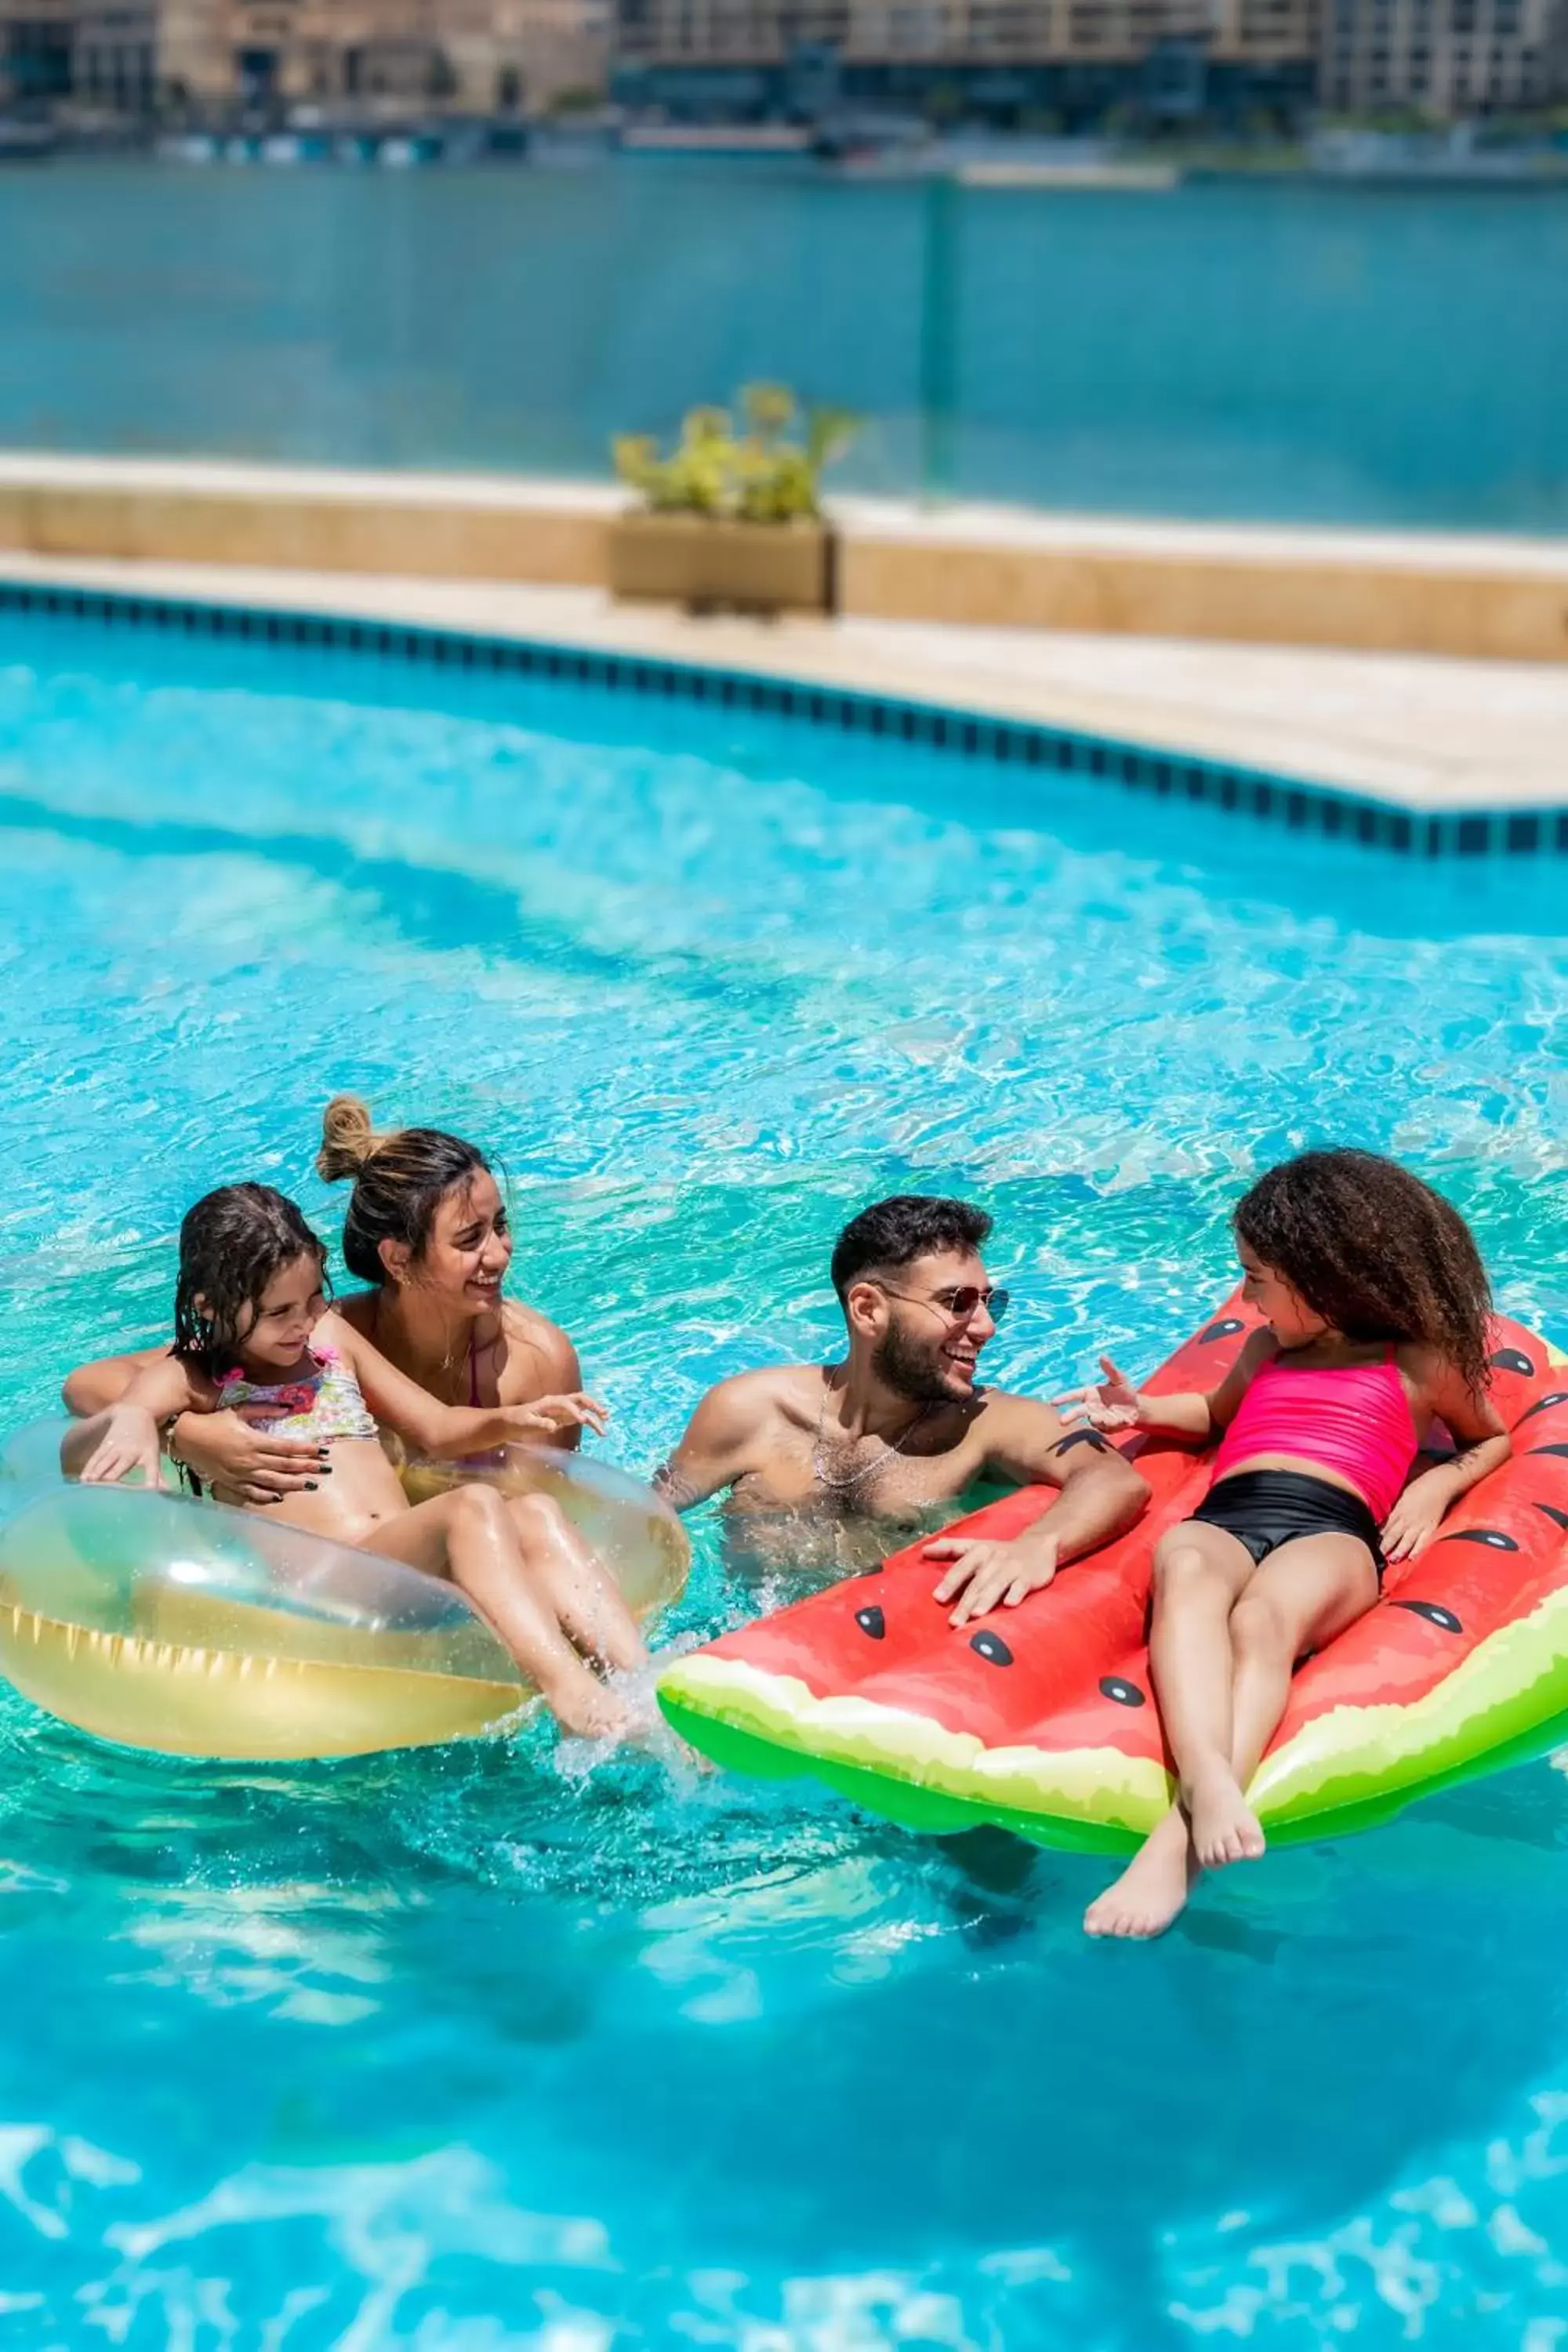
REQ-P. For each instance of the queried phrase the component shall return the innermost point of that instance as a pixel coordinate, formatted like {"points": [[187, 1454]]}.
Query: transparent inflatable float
{"points": [[195, 1630]]}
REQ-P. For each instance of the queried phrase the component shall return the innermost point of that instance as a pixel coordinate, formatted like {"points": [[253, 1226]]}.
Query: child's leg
{"points": [[1303, 1594], [469, 1532], [586, 1599], [1199, 1572]]}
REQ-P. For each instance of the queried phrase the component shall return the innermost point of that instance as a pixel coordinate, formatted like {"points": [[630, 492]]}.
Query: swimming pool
{"points": [[488, 2048]]}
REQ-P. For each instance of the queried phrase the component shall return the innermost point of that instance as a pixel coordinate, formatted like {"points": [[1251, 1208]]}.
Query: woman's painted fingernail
{"points": [[311, 1484]]}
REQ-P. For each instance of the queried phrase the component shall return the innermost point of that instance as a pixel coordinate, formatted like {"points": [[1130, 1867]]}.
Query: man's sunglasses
{"points": [[959, 1304]]}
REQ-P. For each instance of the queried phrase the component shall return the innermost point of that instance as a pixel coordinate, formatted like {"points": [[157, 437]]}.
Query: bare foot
{"points": [[1153, 1888], [1224, 1827], [583, 1707]]}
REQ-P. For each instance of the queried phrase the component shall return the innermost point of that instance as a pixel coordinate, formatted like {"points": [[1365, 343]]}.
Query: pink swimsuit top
{"points": [[325, 1405], [1351, 1419]]}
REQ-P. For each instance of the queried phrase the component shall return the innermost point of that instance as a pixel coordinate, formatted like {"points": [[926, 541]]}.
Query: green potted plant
{"points": [[732, 520]]}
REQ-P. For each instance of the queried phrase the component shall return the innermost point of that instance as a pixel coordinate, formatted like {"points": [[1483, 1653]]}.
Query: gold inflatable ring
{"points": [[194, 1629]]}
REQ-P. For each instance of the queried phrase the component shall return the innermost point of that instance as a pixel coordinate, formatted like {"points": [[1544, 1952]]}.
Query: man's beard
{"points": [[911, 1372]]}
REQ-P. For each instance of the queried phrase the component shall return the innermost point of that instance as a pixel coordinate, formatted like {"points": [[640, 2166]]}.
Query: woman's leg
{"points": [[1304, 1593], [586, 1599], [1199, 1571], [468, 1534]]}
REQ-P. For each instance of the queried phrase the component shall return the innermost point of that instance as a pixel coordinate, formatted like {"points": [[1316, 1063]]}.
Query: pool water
{"points": [[510, 2045]]}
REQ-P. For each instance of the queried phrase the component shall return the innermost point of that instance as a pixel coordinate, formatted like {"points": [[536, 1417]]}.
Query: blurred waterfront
{"points": [[1282, 349]]}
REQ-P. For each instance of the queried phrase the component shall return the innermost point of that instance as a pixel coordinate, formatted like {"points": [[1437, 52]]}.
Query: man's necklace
{"points": [[825, 1476]]}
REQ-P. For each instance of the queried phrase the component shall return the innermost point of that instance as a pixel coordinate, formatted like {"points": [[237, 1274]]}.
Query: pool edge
{"points": [[1296, 804]]}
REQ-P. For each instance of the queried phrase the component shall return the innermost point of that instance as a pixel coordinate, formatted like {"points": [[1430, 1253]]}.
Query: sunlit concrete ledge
{"points": [[971, 566], [1428, 738]]}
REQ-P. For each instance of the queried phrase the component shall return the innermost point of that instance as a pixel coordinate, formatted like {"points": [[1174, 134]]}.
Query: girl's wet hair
{"points": [[231, 1244], [1373, 1251], [400, 1180]]}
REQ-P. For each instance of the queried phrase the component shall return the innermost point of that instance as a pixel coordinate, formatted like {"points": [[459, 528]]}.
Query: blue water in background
{"points": [[506, 2046], [1254, 350]]}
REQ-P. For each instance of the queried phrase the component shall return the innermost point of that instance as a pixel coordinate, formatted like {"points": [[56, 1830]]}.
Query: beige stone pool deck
{"points": [[1415, 732], [1470, 595]]}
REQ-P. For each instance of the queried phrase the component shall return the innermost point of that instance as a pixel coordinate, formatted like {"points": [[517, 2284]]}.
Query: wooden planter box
{"points": [[714, 564]]}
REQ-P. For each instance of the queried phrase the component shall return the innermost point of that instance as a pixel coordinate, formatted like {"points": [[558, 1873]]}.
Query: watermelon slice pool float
{"points": [[1041, 1719]]}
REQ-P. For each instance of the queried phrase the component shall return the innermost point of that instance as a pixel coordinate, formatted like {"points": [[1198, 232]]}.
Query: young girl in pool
{"points": [[1374, 1305], [253, 1331], [427, 1230]]}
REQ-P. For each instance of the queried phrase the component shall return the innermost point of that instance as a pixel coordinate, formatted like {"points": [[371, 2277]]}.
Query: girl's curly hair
{"points": [[1373, 1251], [231, 1244]]}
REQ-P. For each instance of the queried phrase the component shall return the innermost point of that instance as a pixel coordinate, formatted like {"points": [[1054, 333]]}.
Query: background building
{"points": [[37, 38], [209, 59], [1046, 64], [1441, 57]]}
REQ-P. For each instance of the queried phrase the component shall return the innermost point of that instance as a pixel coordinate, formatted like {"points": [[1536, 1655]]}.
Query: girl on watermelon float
{"points": [[1374, 1306]]}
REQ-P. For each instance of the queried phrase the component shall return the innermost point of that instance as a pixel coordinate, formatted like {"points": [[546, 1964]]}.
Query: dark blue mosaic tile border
{"points": [[1291, 801]]}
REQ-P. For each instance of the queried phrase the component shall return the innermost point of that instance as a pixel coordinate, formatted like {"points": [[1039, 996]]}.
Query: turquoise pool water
{"points": [[502, 2047]]}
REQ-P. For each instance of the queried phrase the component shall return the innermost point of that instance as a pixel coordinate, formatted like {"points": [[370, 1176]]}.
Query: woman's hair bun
{"points": [[348, 1138]]}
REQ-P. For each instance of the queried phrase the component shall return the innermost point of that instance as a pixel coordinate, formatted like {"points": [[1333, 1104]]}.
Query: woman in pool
{"points": [[1375, 1308], [427, 1231], [253, 1331]]}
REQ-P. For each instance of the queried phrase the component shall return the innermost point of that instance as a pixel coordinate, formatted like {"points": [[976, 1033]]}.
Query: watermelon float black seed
{"points": [[1125, 1694], [992, 1648], [1223, 1329], [1493, 1539], [1549, 1449], [1443, 1619], [871, 1621], [1512, 1359], [1550, 1511], [1542, 1404]]}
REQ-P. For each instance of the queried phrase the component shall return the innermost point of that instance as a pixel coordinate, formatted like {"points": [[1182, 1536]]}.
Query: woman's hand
{"points": [[1110, 1404], [127, 1441], [554, 1413], [1418, 1514], [993, 1573], [232, 1453]]}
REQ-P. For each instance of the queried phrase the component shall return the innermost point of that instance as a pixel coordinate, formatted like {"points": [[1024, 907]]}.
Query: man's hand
{"points": [[990, 1574]]}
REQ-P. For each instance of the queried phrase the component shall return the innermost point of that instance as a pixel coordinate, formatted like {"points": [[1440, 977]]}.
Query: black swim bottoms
{"points": [[1266, 1508]]}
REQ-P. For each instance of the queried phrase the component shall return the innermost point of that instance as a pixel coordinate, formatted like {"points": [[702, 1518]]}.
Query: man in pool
{"points": [[833, 1466]]}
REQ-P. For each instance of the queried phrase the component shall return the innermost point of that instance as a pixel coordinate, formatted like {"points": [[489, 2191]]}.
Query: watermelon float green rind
{"points": [[1461, 1668]]}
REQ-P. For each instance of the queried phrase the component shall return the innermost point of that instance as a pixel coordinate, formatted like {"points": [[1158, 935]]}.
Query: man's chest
{"points": [[821, 1468]]}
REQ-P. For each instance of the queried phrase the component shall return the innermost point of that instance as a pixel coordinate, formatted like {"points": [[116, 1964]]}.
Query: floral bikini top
{"points": [[329, 1404]]}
